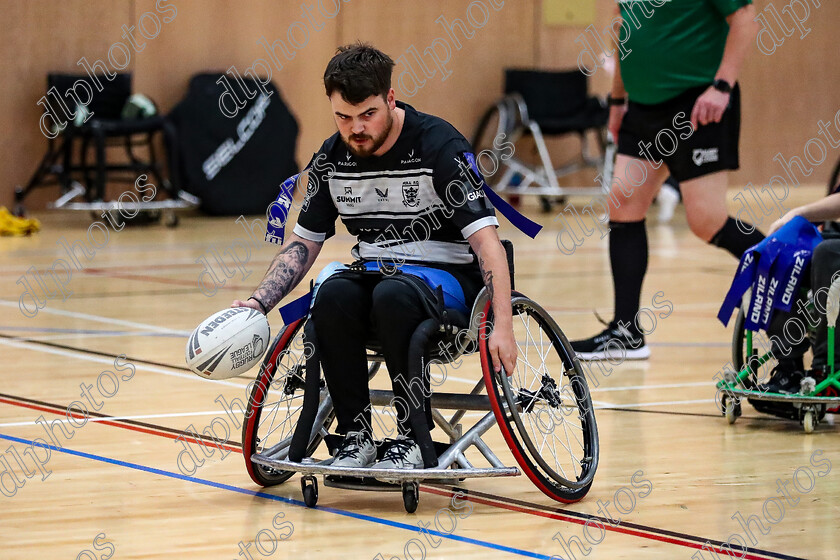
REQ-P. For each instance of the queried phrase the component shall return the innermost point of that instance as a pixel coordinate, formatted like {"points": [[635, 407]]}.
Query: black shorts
{"points": [[663, 132]]}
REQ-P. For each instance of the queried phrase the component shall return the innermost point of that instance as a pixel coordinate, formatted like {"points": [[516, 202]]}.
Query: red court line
{"points": [[492, 502], [118, 424], [579, 521]]}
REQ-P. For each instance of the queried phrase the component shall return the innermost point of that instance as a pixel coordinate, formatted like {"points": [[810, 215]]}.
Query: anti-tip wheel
{"points": [[411, 496], [731, 409], [809, 421], [309, 487]]}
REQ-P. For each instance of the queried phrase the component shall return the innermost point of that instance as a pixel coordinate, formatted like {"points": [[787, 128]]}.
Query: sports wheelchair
{"points": [[809, 405], [543, 409]]}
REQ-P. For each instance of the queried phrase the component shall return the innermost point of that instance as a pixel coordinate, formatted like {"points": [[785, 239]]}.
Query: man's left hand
{"points": [[502, 347], [709, 107]]}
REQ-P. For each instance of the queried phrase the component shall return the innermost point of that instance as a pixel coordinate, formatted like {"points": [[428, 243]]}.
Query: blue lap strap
{"points": [[775, 277], [296, 309], [453, 294]]}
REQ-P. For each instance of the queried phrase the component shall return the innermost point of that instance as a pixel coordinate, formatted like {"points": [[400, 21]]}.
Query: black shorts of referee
{"points": [[663, 132]]}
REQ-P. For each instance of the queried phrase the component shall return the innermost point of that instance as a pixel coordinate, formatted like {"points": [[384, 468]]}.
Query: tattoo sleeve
{"points": [[285, 272], [487, 276]]}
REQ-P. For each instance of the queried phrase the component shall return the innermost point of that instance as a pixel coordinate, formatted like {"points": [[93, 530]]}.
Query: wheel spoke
{"points": [[544, 410]]}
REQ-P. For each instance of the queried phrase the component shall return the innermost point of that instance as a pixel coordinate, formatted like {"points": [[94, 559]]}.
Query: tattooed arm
{"points": [[494, 271], [288, 268]]}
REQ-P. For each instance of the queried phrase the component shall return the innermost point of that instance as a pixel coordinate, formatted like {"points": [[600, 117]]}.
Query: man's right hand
{"points": [[614, 123], [247, 303]]}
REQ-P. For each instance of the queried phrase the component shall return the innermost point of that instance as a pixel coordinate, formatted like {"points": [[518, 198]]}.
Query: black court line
{"points": [[182, 368], [90, 351]]}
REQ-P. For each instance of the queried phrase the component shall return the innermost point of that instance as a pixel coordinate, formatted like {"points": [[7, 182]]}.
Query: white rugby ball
{"points": [[228, 343]]}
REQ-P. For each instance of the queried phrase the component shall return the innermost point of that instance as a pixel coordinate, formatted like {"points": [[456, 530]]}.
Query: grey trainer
{"points": [[401, 453], [357, 451]]}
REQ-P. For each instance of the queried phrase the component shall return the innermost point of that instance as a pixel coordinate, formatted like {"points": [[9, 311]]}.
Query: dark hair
{"points": [[358, 71]]}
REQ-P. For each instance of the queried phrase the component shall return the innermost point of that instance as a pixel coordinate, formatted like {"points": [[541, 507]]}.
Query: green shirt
{"points": [[678, 47]]}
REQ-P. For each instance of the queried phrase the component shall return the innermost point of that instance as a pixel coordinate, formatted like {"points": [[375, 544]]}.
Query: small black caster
{"points": [[309, 487], [411, 495], [116, 218], [170, 219], [545, 204]]}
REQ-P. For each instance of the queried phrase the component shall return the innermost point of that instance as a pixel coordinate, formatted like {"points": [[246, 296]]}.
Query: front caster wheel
{"points": [[309, 487], [809, 421], [731, 409], [411, 496]]}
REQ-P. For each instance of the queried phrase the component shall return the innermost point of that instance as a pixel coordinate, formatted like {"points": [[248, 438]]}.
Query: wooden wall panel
{"points": [[43, 36], [785, 94], [475, 81], [211, 35]]}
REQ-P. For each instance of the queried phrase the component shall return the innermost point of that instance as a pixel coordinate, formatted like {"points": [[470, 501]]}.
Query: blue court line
{"points": [[219, 485]]}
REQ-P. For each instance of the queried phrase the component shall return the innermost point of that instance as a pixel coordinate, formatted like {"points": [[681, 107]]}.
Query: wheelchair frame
{"points": [[272, 466], [736, 386]]}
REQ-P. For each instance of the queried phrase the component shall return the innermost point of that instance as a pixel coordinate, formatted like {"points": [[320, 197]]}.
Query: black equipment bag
{"points": [[234, 164]]}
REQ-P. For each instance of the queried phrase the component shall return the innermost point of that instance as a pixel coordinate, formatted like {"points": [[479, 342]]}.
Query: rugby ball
{"points": [[228, 343]]}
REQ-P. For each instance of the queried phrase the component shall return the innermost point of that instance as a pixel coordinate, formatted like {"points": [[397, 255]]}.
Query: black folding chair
{"points": [[66, 161], [545, 103]]}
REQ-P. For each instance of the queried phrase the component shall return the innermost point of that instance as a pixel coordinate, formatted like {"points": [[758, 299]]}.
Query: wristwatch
{"points": [[722, 86]]}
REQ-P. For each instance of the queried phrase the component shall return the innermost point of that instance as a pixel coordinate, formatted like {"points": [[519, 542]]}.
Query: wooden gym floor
{"points": [[114, 489]]}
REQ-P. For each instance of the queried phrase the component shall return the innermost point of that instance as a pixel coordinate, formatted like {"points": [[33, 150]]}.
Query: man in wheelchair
{"points": [[392, 172], [824, 268]]}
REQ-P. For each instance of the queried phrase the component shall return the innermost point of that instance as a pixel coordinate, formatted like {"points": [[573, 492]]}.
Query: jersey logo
{"points": [[348, 190], [410, 190], [383, 195], [411, 158], [347, 163]]}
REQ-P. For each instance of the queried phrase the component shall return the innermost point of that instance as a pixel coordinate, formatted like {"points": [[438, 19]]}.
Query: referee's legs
{"points": [[629, 202], [708, 218]]}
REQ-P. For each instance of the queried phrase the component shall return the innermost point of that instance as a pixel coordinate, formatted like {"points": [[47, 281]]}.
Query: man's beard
{"points": [[375, 143]]}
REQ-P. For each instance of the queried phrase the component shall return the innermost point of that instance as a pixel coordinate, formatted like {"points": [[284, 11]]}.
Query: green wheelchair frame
{"points": [[736, 386]]}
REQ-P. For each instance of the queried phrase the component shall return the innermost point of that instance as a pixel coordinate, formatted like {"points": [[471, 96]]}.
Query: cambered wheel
{"points": [[834, 179], [543, 408], [760, 345], [411, 496], [275, 402]]}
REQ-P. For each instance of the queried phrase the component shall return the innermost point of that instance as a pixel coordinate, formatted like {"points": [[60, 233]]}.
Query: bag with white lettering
{"points": [[236, 143]]}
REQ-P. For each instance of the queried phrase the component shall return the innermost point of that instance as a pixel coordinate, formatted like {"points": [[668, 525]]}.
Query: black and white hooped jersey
{"points": [[417, 202]]}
